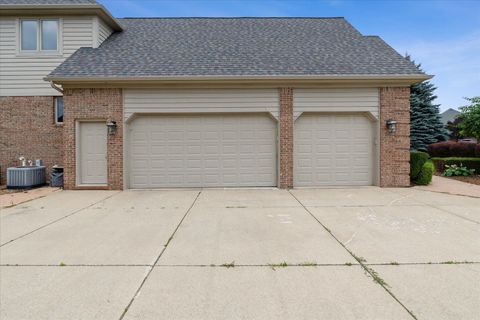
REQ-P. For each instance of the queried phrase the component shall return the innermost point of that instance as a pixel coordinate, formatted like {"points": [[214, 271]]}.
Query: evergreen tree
{"points": [[425, 124]]}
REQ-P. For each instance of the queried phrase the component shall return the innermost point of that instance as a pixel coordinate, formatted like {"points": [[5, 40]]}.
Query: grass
{"points": [[62, 264]]}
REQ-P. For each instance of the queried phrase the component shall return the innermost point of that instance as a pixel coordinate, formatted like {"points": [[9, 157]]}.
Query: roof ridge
{"points": [[242, 17]]}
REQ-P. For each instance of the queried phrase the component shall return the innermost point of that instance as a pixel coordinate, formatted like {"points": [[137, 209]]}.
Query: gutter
{"points": [[402, 77], [54, 86]]}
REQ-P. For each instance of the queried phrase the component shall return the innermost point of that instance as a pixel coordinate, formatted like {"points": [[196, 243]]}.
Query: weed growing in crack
{"points": [[456, 262], [229, 265], [278, 265], [359, 259], [62, 264], [308, 264], [376, 277]]}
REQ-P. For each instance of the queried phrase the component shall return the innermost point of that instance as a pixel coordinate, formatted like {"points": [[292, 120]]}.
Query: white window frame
{"points": [[39, 50], [55, 99]]}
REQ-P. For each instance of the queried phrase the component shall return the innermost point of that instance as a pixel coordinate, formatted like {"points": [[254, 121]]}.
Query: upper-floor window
{"points": [[39, 35]]}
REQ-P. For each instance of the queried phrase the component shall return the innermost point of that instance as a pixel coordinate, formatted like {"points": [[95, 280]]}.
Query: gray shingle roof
{"points": [[53, 2], [159, 47]]}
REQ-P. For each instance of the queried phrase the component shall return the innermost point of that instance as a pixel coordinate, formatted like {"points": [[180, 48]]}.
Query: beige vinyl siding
{"points": [[22, 75], [104, 31], [336, 100], [200, 101]]}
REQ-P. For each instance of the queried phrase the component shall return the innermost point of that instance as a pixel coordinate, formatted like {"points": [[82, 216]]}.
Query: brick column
{"points": [[93, 104], [394, 147], [286, 138]]}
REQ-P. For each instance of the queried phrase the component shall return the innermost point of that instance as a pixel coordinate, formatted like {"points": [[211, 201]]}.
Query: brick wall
{"points": [[27, 127], [286, 138], [94, 104], [394, 147]]}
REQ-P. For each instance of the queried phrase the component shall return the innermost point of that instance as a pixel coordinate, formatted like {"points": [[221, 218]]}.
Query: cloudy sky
{"points": [[444, 36]]}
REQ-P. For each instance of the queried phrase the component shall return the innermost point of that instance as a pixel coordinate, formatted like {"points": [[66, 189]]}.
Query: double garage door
{"points": [[241, 150], [203, 151]]}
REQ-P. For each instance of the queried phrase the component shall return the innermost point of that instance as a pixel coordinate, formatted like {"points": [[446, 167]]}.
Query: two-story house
{"points": [[200, 102], [36, 37]]}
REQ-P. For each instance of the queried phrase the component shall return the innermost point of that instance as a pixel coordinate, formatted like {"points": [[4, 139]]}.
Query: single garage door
{"points": [[202, 151], [333, 150]]}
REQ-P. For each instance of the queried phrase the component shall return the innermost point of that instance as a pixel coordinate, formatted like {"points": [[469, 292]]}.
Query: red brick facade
{"points": [[286, 138], [94, 104], [394, 147], [27, 128]]}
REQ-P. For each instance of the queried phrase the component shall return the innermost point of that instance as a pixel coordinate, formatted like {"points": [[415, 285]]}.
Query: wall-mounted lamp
{"points": [[391, 125], [112, 126]]}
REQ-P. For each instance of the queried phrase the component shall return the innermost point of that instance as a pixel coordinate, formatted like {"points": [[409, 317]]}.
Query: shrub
{"points": [[425, 176], [417, 160], [462, 149], [454, 170], [470, 163], [439, 149], [452, 149]]}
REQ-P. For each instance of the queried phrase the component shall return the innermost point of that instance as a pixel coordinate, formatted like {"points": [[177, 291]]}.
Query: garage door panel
{"points": [[202, 151], [331, 150]]}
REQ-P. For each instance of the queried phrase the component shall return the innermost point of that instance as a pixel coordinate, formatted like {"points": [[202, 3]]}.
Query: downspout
{"points": [[56, 87]]}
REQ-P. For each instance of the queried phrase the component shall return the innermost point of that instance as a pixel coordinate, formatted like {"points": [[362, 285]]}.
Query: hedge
{"points": [[425, 176], [417, 160], [470, 163], [453, 149]]}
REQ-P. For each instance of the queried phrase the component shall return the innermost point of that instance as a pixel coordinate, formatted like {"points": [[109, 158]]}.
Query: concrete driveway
{"points": [[364, 253]]}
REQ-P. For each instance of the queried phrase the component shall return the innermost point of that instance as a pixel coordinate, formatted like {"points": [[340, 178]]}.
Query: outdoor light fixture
{"points": [[391, 125], [112, 126]]}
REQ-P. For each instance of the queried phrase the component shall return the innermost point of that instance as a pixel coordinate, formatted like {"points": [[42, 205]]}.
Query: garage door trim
{"points": [[272, 154]]}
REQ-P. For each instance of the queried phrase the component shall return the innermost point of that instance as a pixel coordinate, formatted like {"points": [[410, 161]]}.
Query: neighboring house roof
{"points": [[246, 47], [448, 115], [57, 8]]}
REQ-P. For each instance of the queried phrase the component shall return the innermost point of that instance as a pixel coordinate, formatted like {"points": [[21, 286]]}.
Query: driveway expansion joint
{"points": [[268, 265], [368, 270], [59, 219], [151, 267], [443, 209]]}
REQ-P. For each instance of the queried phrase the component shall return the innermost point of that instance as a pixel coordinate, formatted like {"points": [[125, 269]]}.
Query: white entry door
{"points": [[92, 153], [203, 151]]}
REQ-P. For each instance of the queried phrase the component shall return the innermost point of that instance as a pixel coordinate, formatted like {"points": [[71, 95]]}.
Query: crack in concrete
{"points": [[366, 268], [59, 219], [150, 267], [439, 208]]}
